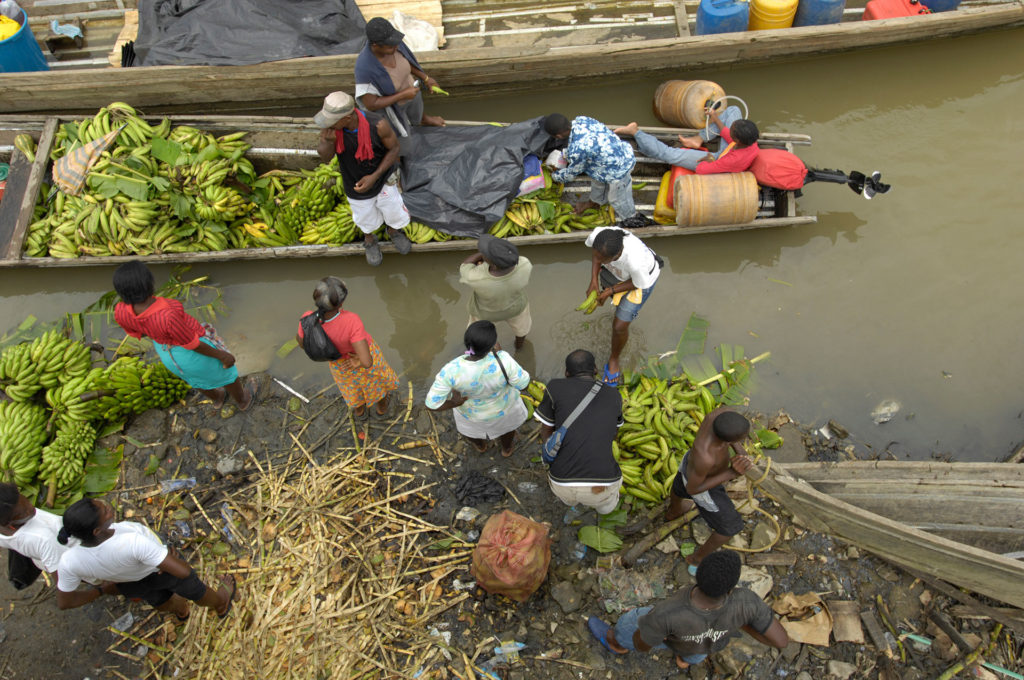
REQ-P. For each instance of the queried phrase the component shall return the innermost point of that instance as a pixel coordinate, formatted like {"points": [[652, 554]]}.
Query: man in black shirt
{"points": [[584, 471], [367, 150]]}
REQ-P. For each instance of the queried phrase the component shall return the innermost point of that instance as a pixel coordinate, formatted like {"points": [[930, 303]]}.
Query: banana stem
{"points": [[129, 179], [125, 167], [730, 371]]}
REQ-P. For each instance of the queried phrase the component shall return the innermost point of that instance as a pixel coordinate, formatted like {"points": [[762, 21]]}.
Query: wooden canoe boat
{"points": [[958, 522], [289, 143], [491, 48]]}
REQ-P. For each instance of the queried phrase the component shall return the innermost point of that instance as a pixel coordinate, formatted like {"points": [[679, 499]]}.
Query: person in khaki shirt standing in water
{"points": [[498, 276]]}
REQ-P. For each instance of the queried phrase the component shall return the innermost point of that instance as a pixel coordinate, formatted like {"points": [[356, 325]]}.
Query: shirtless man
{"points": [[702, 473]]}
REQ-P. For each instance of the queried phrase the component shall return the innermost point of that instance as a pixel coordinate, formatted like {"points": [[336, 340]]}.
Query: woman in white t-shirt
{"points": [[128, 558], [30, 533]]}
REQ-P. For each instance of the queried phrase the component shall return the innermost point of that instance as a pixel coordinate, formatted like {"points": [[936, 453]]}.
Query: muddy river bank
{"points": [[224, 451]]}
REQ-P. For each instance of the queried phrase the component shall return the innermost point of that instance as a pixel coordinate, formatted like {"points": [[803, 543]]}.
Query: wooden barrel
{"points": [[682, 102], [707, 200]]}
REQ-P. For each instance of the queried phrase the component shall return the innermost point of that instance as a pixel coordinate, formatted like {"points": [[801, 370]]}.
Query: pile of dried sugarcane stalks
{"points": [[341, 581]]}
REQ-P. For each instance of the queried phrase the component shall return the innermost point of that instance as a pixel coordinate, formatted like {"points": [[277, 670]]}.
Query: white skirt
{"points": [[492, 429]]}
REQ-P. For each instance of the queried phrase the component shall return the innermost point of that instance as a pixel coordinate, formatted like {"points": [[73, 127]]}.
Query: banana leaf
{"points": [[102, 470], [768, 438], [694, 337], [600, 539]]}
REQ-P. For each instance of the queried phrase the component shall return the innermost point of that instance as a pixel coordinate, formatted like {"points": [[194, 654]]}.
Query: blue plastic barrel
{"points": [[722, 16], [819, 12], [21, 52], [941, 5]]}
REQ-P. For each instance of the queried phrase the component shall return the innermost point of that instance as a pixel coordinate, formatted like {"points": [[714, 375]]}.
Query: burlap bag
{"points": [[512, 556]]}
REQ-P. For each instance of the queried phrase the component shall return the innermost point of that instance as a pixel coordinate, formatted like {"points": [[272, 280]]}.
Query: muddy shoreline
{"points": [[222, 450]]}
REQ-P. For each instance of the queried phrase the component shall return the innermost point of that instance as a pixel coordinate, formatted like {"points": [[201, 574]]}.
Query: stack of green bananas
{"points": [[66, 399], [134, 387], [523, 217], [310, 199], [192, 205], [334, 228], [661, 421], [534, 395], [421, 233], [41, 363], [63, 459], [22, 435]]}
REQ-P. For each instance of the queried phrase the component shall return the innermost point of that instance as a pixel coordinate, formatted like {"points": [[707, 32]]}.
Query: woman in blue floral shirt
{"points": [[596, 151], [482, 386]]}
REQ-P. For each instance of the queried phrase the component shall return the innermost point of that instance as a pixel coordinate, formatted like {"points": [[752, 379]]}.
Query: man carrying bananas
{"points": [[367, 151], [625, 269], [584, 470], [498, 276], [608, 161], [30, 536]]}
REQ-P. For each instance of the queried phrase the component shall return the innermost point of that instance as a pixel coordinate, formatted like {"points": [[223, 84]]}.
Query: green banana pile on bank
{"points": [[136, 387], [661, 421], [23, 432], [49, 439]]}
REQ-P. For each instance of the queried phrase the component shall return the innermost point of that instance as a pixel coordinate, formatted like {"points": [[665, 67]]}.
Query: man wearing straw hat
{"points": [[367, 151]]}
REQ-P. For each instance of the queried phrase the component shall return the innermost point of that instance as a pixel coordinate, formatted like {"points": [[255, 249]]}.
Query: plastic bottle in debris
{"points": [[579, 549], [10, 9], [508, 652], [172, 485]]}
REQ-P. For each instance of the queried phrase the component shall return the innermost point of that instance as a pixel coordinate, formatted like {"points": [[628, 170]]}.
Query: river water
{"points": [[913, 296]]}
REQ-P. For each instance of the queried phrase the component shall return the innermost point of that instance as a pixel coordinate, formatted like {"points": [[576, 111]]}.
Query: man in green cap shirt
{"points": [[498, 276]]}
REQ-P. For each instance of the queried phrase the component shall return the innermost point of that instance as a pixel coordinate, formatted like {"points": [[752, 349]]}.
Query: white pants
{"points": [[603, 501], [386, 207]]}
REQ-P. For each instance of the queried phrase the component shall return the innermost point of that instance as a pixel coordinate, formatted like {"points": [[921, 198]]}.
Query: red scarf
{"points": [[364, 146]]}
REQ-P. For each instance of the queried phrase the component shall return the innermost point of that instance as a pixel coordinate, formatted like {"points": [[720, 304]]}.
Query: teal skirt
{"points": [[198, 370]]}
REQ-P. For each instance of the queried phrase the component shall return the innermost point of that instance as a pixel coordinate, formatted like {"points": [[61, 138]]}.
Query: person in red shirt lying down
{"points": [[737, 149]]}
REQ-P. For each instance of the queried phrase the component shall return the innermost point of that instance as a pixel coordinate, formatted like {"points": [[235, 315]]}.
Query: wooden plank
{"points": [[1011, 622], [129, 32], [962, 611], [473, 72], [682, 19], [35, 180], [306, 251], [978, 570], [10, 206], [985, 473], [771, 559]]}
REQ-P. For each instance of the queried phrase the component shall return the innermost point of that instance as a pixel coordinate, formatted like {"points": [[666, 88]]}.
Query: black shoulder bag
{"points": [[315, 342]]}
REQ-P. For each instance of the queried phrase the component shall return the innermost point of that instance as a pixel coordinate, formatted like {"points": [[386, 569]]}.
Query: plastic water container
{"points": [[820, 12], [942, 5], [707, 200], [21, 52], [722, 16], [765, 14], [682, 102]]}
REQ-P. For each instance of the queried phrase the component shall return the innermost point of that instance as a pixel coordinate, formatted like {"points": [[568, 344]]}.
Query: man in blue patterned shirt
{"points": [[596, 151]]}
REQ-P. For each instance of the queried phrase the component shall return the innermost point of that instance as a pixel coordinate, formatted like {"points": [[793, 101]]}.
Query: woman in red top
{"points": [[189, 349], [362, 374]]}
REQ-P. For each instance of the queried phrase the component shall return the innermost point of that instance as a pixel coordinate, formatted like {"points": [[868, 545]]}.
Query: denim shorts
{"points": [[628, 311], [628, 624]]}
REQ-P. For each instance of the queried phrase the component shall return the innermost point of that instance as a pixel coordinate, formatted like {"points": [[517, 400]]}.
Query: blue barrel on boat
{"points": [[941, 5], [20, 52], [722, 16], [819, 12]]}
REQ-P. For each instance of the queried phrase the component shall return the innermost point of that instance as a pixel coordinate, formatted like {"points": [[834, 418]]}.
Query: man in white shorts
{"points": [[367, 151]]}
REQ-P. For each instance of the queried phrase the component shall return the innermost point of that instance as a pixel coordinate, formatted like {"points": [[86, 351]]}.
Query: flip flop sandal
{"points": [[252, 388], [599, 629], [231, 598], [691, 570], [611, 378]]}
